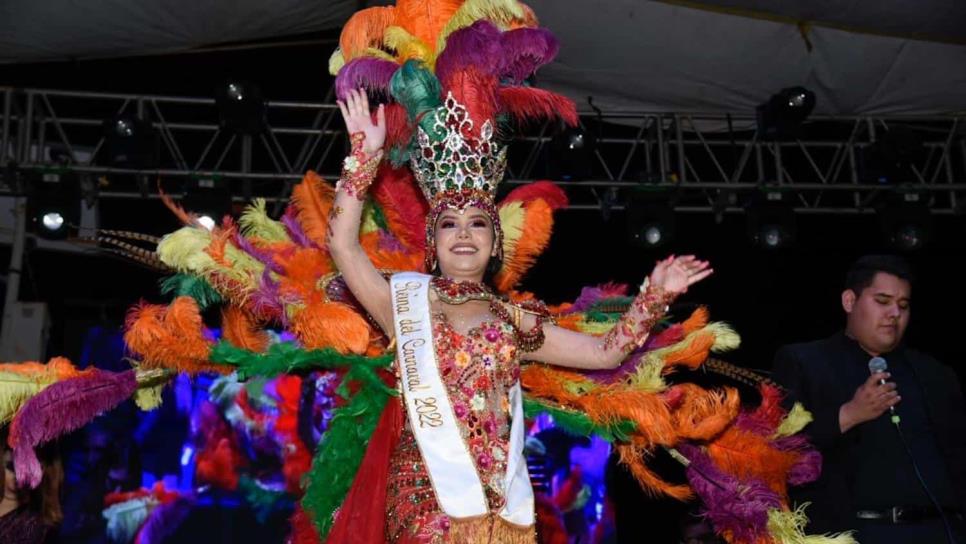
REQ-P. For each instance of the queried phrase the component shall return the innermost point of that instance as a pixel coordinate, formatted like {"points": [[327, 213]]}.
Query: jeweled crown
{"points": [[453, 161]]}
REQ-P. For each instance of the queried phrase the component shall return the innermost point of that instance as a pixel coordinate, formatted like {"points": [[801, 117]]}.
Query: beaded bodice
{"points": [[478, 369]]}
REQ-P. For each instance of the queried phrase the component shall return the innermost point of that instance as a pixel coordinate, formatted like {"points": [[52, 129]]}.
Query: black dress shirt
{"points": [[868, 466]]}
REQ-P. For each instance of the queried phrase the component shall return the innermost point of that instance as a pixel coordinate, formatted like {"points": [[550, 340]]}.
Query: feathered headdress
{"points": [[456, 73]]}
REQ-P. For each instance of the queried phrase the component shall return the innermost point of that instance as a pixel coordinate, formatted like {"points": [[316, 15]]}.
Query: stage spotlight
{"points": [[208, 199], [650, 216], [906, 221], [770, 220], [782, 115], [131, 142], [241, 107], [572, 152], [53, 204]]}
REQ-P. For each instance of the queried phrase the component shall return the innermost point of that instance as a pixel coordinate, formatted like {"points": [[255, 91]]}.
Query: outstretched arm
{"points": [[670, 278], [361, 276]]}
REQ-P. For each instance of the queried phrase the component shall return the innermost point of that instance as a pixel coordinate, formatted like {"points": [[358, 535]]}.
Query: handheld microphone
{"points": [[878, 364]]}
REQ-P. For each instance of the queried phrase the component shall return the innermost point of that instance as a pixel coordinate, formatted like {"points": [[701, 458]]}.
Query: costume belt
{"points": [[448, 462]]}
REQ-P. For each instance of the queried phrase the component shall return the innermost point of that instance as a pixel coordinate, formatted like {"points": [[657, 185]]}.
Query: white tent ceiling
{"points": [[883, 57]]}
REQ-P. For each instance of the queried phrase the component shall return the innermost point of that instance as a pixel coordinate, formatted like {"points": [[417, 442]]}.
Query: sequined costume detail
{"points": [[478, 369]]}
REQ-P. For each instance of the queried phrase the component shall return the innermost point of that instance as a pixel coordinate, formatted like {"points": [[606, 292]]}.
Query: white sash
{"points": [[448, 462]]}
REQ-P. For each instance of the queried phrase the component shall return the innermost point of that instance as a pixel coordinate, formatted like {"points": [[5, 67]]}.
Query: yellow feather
{"points": [[596, 328], [512, 218], [256, 222], [148, 398], [725, 338], [406, 45], [379, 54], [796, 420], [368, 220], [184, 250], [648, 377], [15, 390], [502, 13], [336, 62], [788, 527]]}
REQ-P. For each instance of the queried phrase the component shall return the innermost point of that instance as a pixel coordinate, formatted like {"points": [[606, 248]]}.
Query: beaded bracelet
{"points": [[358, 170], [631, 331]]}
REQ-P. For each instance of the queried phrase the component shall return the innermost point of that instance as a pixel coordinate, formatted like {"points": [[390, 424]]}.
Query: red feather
{"points": [[475, 90], [530, 103], [553, 195], [398, 129], [403, 204]]}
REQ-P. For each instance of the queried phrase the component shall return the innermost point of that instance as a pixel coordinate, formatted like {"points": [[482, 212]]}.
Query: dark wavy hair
{"points": [[45, 499]]}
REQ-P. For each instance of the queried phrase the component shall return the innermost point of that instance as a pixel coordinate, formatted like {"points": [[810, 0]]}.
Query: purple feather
{"points": [[294, 230], [592, 295], [60, 408], [614, 375], [261, 255], [476, 46], [164, 521], [731, 505], [265, 300], [525, 50], [808, 467], [370, 73], [748, 421], [389, 243]]}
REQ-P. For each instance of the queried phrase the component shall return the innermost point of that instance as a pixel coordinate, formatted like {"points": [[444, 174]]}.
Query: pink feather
{"points": [[63, 407]]}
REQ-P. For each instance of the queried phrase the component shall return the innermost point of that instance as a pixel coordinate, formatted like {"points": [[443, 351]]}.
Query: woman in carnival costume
{"points": [[458, 473]]}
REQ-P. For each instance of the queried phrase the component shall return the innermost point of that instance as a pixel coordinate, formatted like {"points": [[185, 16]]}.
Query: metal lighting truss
{"points": [[709, 162]]}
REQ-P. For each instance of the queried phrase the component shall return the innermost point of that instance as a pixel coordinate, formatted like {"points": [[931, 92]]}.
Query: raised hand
{"points": [[676, 274], [355, 112]]}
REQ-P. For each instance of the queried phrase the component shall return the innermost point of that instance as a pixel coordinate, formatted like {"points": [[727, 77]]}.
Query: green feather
{"points": [[287, 357], [342, 448], [417, 90], [578, 423], [263, 500], [184, 285]]}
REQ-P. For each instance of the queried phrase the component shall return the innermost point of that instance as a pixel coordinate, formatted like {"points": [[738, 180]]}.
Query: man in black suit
{"points": [[883, 479]]}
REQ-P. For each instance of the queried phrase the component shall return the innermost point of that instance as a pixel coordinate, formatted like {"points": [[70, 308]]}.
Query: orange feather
{"points": [[697, 321], [331, 325], [364, 30], [748, 455], [240, 329], [692, 355], [537, 227], [632, 457], [425, 19], [170, 337], [701, 414], [313, 200]]}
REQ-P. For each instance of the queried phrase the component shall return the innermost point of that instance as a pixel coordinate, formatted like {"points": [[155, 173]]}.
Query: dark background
{"points": [[770, 297]]}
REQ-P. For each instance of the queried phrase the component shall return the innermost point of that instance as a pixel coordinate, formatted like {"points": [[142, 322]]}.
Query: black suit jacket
{"points": [[812, 373]]}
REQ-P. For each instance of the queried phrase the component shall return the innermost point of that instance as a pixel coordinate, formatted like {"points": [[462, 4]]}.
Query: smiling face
{"points": [[879, 314], [464, 243]]}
